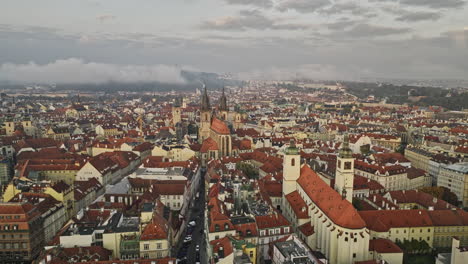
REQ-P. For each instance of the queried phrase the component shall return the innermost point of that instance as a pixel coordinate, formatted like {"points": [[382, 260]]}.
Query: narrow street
{"points": [[187, 252]]}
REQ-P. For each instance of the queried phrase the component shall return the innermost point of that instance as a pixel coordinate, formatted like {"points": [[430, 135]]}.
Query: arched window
{"points": [[293, 162], [223, 145], [216, 228], [226, 226]]}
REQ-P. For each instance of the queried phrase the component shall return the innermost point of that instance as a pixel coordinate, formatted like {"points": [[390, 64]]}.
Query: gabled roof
{"points": [[219, 126], [209, 144], [381, 245], [157, 229], [298, 205], [383, 220], [339, 210]]}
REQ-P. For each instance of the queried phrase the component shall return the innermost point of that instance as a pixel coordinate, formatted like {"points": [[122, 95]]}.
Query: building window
{"points": [[146, 246], [293, 162], [347, 165], [158, 245], [354, 255]]}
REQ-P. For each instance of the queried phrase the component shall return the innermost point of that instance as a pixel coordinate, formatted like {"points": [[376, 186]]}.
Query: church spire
{"points": [[205, 103], [223, 102]]}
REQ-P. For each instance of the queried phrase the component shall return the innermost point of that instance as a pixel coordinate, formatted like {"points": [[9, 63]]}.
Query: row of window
{"points": [[158, 255], [412, 231], [10, 217], [146, 246], [16, 245], [9, 227]]}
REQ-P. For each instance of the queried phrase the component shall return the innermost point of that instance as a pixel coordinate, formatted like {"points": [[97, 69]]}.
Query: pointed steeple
{"points": [[223, 102], [205, 103]]}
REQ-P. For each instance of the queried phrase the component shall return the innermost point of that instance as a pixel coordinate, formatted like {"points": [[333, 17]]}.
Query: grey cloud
{"points": [[249, 20], [104, 18], [302, 6], [258, 3], [419, 16], [75, 70], [347, 7], [435, 3], [367, 30], [348, 57], [306, 71]]}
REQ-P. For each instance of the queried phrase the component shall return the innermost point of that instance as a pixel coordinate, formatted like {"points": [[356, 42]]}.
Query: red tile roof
{"points": [[271, 221], [449, 217], [209, 144], [219, 127], [298, 205], [383, 220], [384, 246], [307, 229], [340, 211], [224, 243], [157, 229]]}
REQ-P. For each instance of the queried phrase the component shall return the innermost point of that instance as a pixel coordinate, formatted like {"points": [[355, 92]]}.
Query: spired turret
{"points": [[223, 102], [205, 103]]}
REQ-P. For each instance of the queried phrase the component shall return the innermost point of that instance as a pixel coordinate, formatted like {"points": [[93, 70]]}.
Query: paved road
{"points": [[196, 213]]}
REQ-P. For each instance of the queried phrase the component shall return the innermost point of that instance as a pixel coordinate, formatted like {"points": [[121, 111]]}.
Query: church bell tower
{"points": [[344, 177]]}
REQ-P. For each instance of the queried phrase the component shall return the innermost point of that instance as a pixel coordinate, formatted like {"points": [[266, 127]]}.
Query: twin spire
{"points": [[205, 103]]}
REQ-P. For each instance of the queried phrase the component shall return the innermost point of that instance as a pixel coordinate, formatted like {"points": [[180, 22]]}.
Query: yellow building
{"points": [[447, 224], [246, 248], [399, 225], [419, 158], [154, 240]]}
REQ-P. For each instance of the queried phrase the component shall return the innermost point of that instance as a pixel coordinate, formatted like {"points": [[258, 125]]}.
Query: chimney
{"points": [[374, 199], [434, 200], [48, 258]]}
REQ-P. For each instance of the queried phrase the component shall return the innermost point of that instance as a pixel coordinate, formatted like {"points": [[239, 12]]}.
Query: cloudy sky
{"points": [[131, 40]]}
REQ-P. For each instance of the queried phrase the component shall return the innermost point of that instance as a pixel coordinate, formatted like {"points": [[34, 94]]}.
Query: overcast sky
{"points": [[130, 40]]}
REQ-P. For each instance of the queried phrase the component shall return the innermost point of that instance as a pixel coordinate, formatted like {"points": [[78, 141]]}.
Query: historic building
{"points": [[337, 230], [214, 132]]}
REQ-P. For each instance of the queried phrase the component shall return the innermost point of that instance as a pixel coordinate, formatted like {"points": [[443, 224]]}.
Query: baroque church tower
{"points": [[291, 168], [344, 176]]}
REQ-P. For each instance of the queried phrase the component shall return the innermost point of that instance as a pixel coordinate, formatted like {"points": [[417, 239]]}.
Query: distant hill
{"points": [[193, 80]]}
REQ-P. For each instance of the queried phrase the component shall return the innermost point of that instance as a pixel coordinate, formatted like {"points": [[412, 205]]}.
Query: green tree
{"points": [[248, 169]]}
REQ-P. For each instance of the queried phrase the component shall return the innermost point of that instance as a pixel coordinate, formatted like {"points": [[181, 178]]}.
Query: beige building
{"points": [[455, 178], [399, 225], [419, 158], [154, 240]]}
